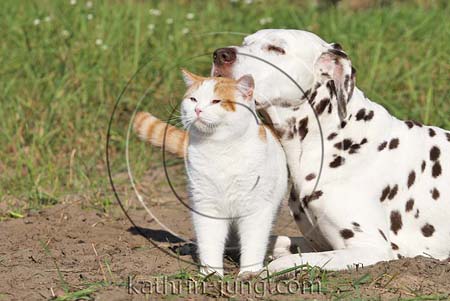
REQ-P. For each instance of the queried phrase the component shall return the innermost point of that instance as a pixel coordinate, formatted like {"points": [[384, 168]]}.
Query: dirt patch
{"points": [[92, 253]]}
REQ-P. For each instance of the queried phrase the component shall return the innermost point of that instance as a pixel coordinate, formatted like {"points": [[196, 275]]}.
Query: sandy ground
{"points": [[72, 246]]}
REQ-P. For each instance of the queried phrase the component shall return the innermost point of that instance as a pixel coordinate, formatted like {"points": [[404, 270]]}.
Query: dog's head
{"points": [[296, 52]]}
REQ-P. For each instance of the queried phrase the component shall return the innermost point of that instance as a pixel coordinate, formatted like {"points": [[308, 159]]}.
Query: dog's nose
{"points": [[224, 56]]}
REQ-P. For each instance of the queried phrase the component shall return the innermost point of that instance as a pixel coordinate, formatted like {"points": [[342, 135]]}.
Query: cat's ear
{"points": [[246, 85], [190, 78]]}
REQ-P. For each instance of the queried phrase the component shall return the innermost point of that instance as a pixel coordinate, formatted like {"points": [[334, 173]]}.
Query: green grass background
{"points": [[63, 65]]}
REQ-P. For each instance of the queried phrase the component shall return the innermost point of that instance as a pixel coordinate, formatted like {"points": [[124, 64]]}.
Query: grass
{"points": [[61, 77]]}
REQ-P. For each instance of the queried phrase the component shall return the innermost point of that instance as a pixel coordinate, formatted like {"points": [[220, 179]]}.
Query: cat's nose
{"points": [[198, 111], [224, 56]]}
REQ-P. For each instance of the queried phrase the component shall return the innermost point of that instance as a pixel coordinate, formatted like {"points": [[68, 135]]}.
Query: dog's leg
{"points": [[333, 260]]}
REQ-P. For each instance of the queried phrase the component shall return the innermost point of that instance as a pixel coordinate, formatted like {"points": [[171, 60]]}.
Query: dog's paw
{"points": [[284, 263], [281, 247]]}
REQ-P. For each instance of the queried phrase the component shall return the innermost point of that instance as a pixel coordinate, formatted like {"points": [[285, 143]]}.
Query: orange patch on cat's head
{"points": [[192, 80], [225, 89]]}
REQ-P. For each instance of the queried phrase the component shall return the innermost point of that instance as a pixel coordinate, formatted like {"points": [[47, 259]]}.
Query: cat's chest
{"points": [[227, 171]]}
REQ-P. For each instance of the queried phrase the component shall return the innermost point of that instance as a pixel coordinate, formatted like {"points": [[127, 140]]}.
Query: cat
{"points": [[236, 167]]}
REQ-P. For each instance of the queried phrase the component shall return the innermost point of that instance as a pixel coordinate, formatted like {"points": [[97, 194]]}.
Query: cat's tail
{"points": [[151, 129]]}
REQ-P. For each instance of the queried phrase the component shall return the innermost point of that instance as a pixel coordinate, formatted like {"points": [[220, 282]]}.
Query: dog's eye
{"points": [[193, 99], [275, 49], [214, 101]]}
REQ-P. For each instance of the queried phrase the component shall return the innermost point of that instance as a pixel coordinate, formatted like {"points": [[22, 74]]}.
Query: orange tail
{"points": [[151, 129]]}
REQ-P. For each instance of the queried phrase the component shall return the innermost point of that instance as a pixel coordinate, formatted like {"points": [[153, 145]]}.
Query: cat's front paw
{"points": [[207, 271]]}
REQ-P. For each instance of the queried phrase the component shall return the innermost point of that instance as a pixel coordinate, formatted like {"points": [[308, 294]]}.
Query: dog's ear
{"points": [[334, 64], [190, 78]]}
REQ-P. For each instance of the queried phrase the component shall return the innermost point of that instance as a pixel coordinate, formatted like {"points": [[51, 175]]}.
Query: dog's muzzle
{"points": [[223, 59]]}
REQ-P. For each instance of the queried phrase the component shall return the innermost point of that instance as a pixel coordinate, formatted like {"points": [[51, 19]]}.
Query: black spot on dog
{"points": [[417, 213], [356, 227], [435, 153], [331, 88], [435, 194], [338, 52], [310, 177], [321, 106], [354, 148], [409, 123], [396, 221], [427, 230], [312, 97], [399, 256], [343, 124], [436, 170], [332, 136], [448, 136], [346, 81], [344, 144], [394, 143], [417, 123], [338, 161], [393, 192], [424, 164], [409, 205], [385, 193], [303, 128], [361, 114], [369, 116], [394, 246], [411, 178], [382, 234], [295, 108], [382, 146], [336, 46], [307, 92], [309, 198], [347, 233], [431, 132], [363, 141]]}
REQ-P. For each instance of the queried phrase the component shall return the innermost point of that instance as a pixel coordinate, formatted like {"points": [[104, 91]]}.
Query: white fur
{"points": [[352, 192], [234, 177]]}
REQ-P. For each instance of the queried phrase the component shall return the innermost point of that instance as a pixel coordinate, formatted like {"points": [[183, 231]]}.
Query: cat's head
{"points": [[213, 103]]}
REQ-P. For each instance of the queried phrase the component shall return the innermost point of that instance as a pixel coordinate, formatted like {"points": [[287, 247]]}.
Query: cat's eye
{"points": [[214, 101], [193, 99]]}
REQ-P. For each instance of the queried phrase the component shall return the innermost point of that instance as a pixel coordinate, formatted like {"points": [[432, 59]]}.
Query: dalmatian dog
{"points": [[367, 187]]}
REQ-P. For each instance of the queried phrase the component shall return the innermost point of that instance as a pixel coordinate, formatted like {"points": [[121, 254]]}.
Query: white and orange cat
{"points": [[236, 167]]}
